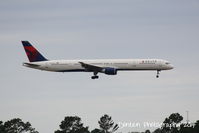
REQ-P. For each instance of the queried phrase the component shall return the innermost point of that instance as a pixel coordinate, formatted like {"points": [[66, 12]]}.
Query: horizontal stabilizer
{"points": [[31, 65]]}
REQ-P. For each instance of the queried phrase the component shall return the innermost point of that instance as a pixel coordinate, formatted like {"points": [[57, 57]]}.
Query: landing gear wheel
{"points": [[158, 72], [94, 77]]}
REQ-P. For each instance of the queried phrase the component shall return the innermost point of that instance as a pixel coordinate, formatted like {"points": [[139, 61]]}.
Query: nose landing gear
{"points": [[158, 73]]}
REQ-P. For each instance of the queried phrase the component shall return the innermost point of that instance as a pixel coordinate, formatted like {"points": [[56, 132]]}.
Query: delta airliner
{"points": [[106, 66]]}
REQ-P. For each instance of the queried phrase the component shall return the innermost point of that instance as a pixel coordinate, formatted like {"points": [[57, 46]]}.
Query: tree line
{"points": [[73, 124], [70, 124], [173, 124]]}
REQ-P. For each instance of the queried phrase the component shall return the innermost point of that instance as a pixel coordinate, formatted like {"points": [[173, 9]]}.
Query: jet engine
{"points": [[110, 71]]}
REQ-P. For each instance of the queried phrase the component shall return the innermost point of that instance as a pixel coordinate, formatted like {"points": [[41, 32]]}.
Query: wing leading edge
{"points": [[96, 69], [91, 68]]}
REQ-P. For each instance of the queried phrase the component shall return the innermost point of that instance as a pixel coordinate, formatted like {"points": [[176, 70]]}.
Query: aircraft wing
{"points": [[91, 68]]}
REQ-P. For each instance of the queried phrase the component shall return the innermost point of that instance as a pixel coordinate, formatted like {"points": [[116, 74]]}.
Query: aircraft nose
{"points": [[171, 67]]}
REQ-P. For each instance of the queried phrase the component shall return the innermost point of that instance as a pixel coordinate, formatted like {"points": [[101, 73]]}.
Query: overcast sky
{"points": [[91, 29]]}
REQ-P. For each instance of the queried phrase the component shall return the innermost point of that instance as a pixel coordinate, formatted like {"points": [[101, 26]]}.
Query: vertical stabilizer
{"points": [[32, 53]]}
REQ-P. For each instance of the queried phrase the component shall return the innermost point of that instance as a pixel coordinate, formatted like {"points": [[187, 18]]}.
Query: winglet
{"points": [[32, 53]]}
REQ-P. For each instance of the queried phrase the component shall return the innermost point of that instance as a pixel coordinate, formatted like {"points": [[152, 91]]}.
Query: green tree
{"points": [[157, 130], [175, 118], [186, 128], [147, 131], [16, 125], [72, 124], [97, 131], [1, 127], [107, 125], [196, 127], [170, 124]]}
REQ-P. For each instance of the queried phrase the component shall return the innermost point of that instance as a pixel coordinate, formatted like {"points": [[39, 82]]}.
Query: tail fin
{"points": [[32, 53]]}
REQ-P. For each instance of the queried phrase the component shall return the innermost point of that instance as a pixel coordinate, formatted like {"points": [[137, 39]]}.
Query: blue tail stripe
{"points": [[26, 43]]}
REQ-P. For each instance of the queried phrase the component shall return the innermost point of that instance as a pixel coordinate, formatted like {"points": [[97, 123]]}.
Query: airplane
{"points": [[106, 66]]}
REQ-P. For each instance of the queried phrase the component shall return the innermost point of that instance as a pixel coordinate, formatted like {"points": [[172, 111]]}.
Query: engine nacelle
{"points": [[110, 71]]}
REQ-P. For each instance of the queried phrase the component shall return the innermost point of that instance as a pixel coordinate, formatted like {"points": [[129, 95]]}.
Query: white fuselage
{"points": [[118, 64]]}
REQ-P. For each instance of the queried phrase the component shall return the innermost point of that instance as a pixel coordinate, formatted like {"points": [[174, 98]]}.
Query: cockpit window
{"points": [[167, 63]]}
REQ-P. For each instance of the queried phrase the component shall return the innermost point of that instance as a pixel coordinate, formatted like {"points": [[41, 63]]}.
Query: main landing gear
{"points": [[95, 76], [158, 72]]}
